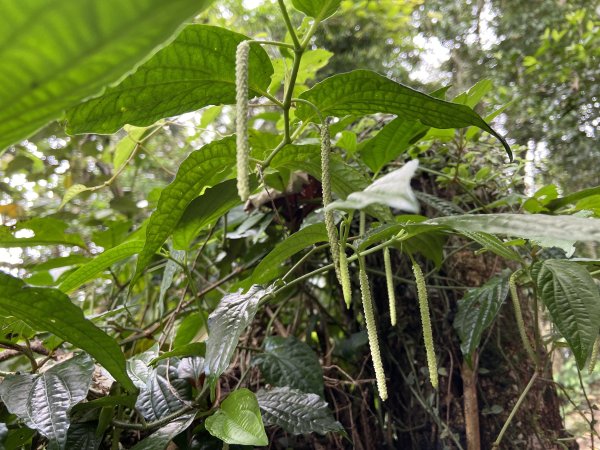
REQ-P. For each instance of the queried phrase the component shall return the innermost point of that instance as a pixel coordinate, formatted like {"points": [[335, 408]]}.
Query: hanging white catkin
{"points": [[389, 278], [594, 356], [345, 274], [372, 329], [241, 119], [426, 323], [332, 233]]}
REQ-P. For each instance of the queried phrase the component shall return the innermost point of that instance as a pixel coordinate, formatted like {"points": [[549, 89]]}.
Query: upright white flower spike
{"points": [[241, 119]]}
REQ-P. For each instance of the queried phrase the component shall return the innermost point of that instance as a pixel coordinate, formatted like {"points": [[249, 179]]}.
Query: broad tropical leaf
{"points": [[366, 92], [164, 392], [51, 310], [43, 401], [573, 300], [100, 263], [225, 325], [197, 69], [83, 436], [238, 421], [477, 310], [528, 226], [38, 231], [269, 266], [55, 53], [290, 362], [203, 168], [296, 412], [320, 9], [159, 440]]}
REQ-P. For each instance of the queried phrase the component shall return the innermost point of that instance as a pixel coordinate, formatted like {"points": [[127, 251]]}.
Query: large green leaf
{"points": [[296, 412], [290, 362], [159, 440], [202, 169], [393, 140], [83, 436], [320, 9], [164, 392], [56, 53], [477, 310], [205, 210], [225, 326], [238, 421], [573, 300], [38, 231], [43, 401], [197, 69], [528, 226], [366, 92], [103, 261], [269, 266], [51, 310]]}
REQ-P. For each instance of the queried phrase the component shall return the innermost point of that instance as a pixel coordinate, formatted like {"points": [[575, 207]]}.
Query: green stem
{"points": [[288, 24]]}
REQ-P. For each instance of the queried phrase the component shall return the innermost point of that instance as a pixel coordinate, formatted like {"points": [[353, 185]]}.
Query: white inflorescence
{"points": [[241, 119]]}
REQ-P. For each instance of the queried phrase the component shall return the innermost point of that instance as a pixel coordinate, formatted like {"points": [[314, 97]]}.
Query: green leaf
{"points": [[103, 261], [366, 92], [159, 440], [56, 53], [392, 189], [51, 310], [43, 401], [138, 366], [82, 436], [203, 168], [319, 9], [197, 69], [71, 193], [477, 310], [392, 141], [205, 210], [225, 325], [290, 362], [238, 421], [38, 231], [492, 244], [172, 267], [192, 349], [164, 392], [269, 266], [528, 226], [126, 146], [573, 301], [296, 412]]}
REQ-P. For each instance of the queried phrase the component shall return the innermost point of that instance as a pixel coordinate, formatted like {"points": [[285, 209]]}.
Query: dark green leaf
{"points": [[493, 244], [528, 226], [203, 168], [39, 231], [225, 325], [205, 210], [164, 392], [573, 300], [238, 421], [296, 412], [100, 263], [197, 69], [103, 402], [290, 362], [477, 310], [320, 9], [159, 440], [43, 401], [366, 92], [269, 266], [51, 310], [392, 141], [56, 53], [82, 436]]}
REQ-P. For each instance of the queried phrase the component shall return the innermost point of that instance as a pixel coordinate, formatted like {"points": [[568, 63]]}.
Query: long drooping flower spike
{"points": [[241, 119], [332, 232], [345, 275], [389, 278], [514, 295], [594, 355], [372, 329], [426, 323]]}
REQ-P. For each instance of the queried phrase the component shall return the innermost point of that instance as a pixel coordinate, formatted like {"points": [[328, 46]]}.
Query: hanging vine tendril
{"points": [[426, 323], [514, 295], [241, 119], [372, 329]]}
